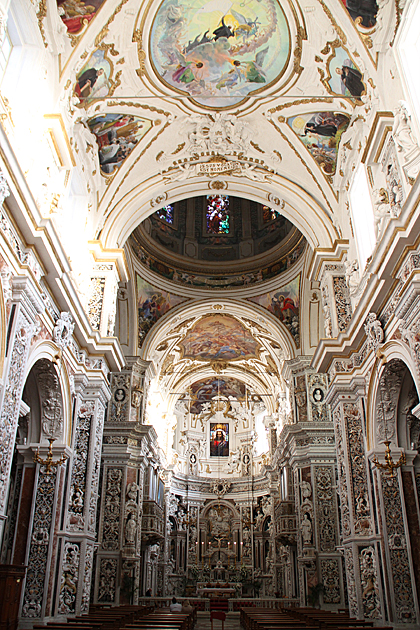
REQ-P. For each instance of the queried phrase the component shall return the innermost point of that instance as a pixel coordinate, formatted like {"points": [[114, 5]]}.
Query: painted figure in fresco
{"points": [[117, 135], [250, 71], [219, 48], [218, 445], [86, 81], [325, 124], [283, 307], [75, 13], [351, 79], [362, 11]]}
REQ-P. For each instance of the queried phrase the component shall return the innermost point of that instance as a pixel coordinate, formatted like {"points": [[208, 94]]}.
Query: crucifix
{"points": [[219, 540]]}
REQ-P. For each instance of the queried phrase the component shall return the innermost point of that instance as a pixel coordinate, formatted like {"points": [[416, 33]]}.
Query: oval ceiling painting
{"points": [[218, 52]]}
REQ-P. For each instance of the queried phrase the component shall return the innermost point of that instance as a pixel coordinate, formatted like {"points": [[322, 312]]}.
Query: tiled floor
{"points": [[231, 623]]}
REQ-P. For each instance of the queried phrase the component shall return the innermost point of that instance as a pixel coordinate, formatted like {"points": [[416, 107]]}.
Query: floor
{"points": [[231, 623]]}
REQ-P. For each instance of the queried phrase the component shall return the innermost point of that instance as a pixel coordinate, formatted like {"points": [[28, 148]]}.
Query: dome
{"points": [[217, 241]]}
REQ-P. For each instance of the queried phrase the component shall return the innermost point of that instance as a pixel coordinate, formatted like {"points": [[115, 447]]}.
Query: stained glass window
{"points": [[269, 214], [166, 214], [217, 217]]}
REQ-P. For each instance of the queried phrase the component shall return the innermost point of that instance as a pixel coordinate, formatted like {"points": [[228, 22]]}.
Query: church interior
{"points": [[210, 306]]}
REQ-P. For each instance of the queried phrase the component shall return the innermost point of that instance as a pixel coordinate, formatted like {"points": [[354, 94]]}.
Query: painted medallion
{"points": [[344, 76], [219, 51], [94, 79]]}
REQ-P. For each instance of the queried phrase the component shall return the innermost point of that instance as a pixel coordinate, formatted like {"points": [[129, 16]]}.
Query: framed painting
{"points": [[219, 439]]}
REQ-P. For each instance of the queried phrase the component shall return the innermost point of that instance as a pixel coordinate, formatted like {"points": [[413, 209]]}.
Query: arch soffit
{"points": [[391, 350], [49, 350], [199, 308], [300, 208]]}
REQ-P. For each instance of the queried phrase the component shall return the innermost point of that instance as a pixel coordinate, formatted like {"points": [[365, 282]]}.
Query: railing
{"points": [[203, 603]]}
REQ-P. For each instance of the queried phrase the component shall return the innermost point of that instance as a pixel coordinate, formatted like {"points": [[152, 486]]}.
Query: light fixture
{"points": [[390, 466], [48, 462]]}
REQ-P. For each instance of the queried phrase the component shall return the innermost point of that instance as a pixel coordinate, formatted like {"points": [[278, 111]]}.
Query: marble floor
{"points": [[231, 623]]}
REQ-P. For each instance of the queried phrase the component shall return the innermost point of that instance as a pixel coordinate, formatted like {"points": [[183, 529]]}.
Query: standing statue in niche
{"points": [[306, 528], [130, 530]]}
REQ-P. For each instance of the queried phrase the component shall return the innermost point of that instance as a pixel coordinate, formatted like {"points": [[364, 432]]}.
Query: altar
{"points": [[218, 590]]}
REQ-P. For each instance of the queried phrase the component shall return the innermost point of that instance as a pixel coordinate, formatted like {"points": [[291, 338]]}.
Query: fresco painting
{"points": [[284, 303], [321, 132], [152, 303], [117, 135], [363, 12], [93, 80], [203, 391], [77, 14], [219, 337], [219, 51], [345, 78]]}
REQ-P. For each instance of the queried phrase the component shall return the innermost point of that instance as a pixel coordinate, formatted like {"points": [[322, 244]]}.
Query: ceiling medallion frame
{"points": [[293, 24]]}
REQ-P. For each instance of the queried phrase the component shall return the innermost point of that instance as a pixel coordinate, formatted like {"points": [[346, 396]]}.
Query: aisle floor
{"points": [[231, 623]]}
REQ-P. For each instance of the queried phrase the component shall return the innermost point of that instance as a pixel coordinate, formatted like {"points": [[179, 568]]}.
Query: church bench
{"points": [[108, 620], [173, 623], [183, 621]]}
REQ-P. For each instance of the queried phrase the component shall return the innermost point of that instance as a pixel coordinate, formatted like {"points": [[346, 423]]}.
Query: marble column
{"points": [[360, 537]]}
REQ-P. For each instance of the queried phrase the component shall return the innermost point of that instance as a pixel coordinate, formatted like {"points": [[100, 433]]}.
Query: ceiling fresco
{"points": [[117, 135], [219, 51], [203, 391], [284, 303], [321, 132], [219, 338], [94, 81], [77, 14], [152, 303], [344, 76], [363, 12]]}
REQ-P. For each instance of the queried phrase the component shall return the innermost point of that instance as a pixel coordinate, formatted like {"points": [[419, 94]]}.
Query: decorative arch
{"points": [[198, 308], [385, 390], [215, 503], [49, 351], [309, 216]]}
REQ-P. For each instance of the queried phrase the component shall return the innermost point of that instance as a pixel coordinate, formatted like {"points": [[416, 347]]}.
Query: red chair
{"points": [[218, 614]]}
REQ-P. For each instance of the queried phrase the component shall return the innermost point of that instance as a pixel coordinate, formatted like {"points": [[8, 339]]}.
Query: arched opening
{"points": [[30, 532], [398, 426]]}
